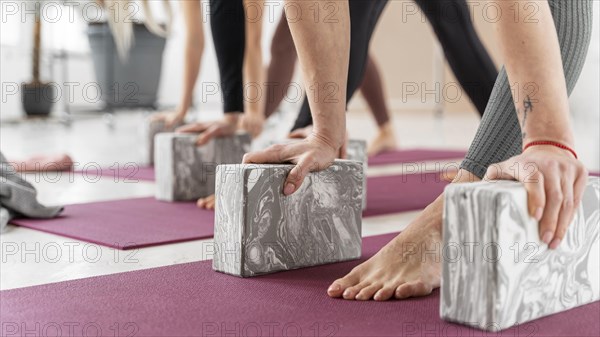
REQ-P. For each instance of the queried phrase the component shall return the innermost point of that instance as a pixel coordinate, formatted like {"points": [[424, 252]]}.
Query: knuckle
{"points": [[568, 203], [561, 231], [276, 147]]}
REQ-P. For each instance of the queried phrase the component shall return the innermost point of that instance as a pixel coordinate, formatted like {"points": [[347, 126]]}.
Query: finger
{"points": [[191, 128], [207, 135], [344, 150], [270, 155], [580, 184], [298, 133], [554, 198], [567, 208], [498, 171], [297, 174], [536, 194]]}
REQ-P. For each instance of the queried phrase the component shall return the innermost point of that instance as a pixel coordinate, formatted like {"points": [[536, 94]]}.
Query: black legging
{"points": [[450, 19], [227, 22], [452, 24]]}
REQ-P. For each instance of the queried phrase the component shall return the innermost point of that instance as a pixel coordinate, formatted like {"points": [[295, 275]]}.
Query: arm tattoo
{"points": [[527, 108]]}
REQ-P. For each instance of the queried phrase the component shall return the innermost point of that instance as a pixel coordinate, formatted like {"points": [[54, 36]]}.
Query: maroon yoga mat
{"points": [[192, 300], [400, 193], [143, 222], [414, 155], [128, 224]]}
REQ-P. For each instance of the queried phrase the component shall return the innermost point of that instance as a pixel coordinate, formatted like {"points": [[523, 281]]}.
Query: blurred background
{"points": [[79, 60]]}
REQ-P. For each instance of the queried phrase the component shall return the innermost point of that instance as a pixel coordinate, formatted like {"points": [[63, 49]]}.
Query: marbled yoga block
{"points": [[258, 230], [497, 273], [185, 171], [356, 150], [150, 130]]}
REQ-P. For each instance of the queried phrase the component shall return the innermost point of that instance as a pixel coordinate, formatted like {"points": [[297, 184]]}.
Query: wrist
{"points": [[232, 118], [550, 144]]}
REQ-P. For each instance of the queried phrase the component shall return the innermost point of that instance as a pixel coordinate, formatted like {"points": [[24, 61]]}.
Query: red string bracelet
{"points": [[549, 142]]}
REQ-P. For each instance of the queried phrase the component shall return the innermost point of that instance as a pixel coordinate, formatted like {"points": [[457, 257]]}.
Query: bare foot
{"points": [[206, 203], [408, 266], [384, 141], [61, 162]]}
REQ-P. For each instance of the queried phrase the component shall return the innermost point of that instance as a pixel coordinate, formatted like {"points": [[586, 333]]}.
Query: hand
{"points": [[306, 131], [209, 130], [252, 123], [315, 153], [555, 182], [170, 118]]}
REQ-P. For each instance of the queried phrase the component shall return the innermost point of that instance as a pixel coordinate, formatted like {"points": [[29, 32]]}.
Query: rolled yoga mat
{"points": [[192, 300], [414, 155], [144, 222]]}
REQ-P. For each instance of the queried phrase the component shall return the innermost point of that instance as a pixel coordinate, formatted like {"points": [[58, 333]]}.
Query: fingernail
{"points": [[333, 288], [538, 213], [555, 243], [547, 237], [289, 189]]}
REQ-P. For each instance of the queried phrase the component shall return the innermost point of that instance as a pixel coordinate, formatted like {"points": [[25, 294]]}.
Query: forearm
{"points": [[535, 70], [194, 47], [323, 52]]}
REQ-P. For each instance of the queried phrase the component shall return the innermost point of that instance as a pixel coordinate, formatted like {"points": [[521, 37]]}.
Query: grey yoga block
{"points": [[185, 171], [258, 230], [149, 131], [497, 273], [356, 150]]}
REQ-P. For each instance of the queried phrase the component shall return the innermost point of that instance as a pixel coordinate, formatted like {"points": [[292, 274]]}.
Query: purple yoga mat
{"points": [[144, 222], [192, 300], [128, 224], [414, 155], [129, 172], [400, 193]]}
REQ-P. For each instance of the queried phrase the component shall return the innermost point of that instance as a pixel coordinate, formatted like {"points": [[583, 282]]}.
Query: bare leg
{"points": [[407, 266], [253, 118], [281, 69], [194, 48], [373, 92]]}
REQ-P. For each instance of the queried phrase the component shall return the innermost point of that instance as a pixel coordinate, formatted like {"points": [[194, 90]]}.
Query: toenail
{"points": [[334, 287], [347, 293]]}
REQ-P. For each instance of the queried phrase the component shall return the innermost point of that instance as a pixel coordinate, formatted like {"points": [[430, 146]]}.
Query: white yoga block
{"points": [[186, 172], [258, 230], [151, 129], [497, 273]]}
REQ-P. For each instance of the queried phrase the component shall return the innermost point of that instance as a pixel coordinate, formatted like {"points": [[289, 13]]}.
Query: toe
{"points": [[351, 292], [337, 288], [385, 293], [367, 292], [413, 289]]}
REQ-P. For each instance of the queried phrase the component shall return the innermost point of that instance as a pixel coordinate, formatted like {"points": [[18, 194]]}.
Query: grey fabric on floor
{"points": [[499, 135], [18, 198]]}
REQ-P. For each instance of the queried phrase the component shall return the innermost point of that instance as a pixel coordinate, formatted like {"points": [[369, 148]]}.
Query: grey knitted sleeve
{"points": [[499, 135]]}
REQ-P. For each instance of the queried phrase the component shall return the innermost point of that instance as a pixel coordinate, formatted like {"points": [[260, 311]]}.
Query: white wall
{"points": [[68, 33]]}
